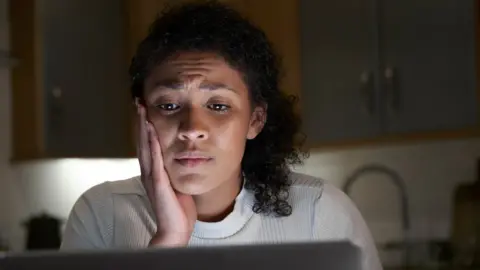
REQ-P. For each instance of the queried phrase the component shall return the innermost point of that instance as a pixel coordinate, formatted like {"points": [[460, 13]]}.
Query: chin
{"points": [[192, 184]]}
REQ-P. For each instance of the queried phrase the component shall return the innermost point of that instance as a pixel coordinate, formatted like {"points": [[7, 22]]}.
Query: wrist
{"points": [[178, 240]]}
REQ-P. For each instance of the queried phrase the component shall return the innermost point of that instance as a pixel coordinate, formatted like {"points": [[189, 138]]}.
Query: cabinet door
{"points": [[429, 64], [85, 90], [338, 46]]}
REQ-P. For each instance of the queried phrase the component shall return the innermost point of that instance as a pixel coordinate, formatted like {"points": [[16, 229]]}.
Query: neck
{"points": [[216, 204]]}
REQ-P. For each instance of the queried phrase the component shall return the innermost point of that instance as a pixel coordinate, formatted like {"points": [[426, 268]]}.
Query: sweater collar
{"points": [[230, 225]]}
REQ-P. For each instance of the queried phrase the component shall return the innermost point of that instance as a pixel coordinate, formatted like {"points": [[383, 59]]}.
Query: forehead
{"points": [[195, 70], [195, 64], [194, 58]]}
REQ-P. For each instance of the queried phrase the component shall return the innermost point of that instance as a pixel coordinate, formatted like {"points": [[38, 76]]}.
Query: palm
{"points": [[188, 208], [175, 212]]}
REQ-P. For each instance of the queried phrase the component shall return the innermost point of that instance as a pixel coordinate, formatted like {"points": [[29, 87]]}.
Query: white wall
{"points": [[430, 170]]}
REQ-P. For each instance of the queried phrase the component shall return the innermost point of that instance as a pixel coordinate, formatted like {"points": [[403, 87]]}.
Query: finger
{"points": [[159, 174], [143, 152], [155, 150], [143, 146], [164, 197]]}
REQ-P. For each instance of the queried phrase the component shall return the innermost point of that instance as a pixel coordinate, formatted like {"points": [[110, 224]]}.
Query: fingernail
{"points": [[149, 134], [149, 130]]}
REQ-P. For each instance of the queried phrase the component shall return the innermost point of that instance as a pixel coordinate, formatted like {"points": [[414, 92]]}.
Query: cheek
{"points": [[230, 134], [166, 128]]}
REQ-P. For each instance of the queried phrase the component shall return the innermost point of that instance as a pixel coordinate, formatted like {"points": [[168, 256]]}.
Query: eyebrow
{"points": [[176, 84]]}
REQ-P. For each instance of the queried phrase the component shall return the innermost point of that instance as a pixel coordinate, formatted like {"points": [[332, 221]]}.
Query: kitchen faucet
{"points": [[400, 184], [394, 176]]}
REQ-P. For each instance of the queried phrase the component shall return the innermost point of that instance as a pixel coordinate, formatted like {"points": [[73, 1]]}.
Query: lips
{"points": [[192, 162], [192, 159]]}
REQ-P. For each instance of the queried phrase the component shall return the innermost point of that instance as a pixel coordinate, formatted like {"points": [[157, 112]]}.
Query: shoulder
{"points": [[91, 221], [334, 216], [328, 201], [305, 185], [305, 181], [331, 212], [324, 196], [97, 203], [107, 189]]}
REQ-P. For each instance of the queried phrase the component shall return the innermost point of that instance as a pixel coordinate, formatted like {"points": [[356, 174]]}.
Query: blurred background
{"points": [[388, 93]]}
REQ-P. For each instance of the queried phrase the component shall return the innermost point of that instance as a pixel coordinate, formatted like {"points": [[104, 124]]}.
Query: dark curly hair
{"points": [[209, 26]]}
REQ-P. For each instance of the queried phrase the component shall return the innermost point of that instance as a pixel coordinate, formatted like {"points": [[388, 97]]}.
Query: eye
{"points": [[218, 107], [168, 106]]}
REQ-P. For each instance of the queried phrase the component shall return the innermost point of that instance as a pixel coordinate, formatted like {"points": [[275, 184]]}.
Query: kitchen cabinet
{"points": [[375, 70], [429, 65], [338, 63], [366, 71], [70, 90]]}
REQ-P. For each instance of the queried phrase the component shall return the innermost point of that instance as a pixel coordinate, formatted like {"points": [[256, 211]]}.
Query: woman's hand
{"points": [[175, 213]]}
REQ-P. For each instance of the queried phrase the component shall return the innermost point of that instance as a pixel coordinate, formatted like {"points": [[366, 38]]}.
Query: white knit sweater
{"points": [[118, 215]]}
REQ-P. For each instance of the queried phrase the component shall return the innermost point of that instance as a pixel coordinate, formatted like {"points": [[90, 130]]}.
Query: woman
{"points": [[216, 139]]}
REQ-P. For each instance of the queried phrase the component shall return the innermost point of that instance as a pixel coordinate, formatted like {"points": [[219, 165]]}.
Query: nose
{"points": [[193, 127]]}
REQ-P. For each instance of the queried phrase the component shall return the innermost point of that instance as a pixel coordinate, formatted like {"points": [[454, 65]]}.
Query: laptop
{"points": [[294, 256]]}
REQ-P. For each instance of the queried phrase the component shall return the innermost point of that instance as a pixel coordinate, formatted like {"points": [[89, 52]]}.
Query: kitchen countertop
{"points": [[431, 268]]}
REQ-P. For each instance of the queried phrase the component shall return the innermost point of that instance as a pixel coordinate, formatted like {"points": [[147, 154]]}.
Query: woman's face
{"points": [[201, 111]]}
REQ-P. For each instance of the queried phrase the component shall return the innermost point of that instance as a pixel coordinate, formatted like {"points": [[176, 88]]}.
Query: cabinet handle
{"points": [[391, 86], [57, 93], [367, 91], [56, 108]]}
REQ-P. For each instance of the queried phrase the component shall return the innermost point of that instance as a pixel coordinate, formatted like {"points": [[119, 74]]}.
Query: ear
{"points": [[257, 121]]}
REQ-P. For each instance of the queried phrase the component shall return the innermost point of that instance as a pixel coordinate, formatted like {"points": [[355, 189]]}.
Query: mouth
{"points": [[192, 159]]}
